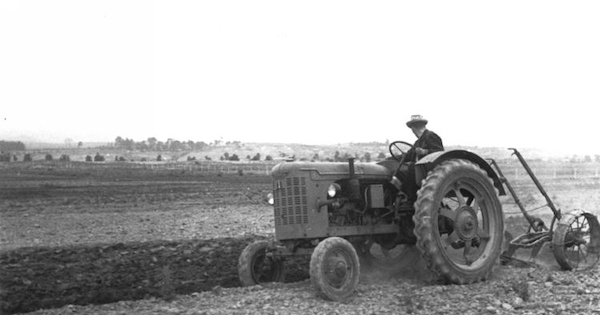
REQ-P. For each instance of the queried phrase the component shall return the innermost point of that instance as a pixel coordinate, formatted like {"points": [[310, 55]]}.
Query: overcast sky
{"points": [[502, 73]]}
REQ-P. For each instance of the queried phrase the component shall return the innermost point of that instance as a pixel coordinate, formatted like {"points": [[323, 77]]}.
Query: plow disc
{"points": [[576, 241]]}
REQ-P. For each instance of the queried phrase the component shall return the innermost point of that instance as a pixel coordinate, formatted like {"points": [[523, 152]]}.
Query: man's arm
{"points": [[434, 143]]}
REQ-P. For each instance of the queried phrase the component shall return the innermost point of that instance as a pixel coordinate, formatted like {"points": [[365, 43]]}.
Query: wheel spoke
{"points": [[459, 195], [476, 207], [452, 237], [467, 251], [448, 213]]}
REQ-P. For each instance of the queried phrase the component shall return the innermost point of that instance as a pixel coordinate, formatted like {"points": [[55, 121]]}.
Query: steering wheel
{"points": [[398, 150]]}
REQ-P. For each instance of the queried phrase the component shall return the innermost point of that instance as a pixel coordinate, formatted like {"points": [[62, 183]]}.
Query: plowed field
{"points": [[87, 235], [83, 235]]}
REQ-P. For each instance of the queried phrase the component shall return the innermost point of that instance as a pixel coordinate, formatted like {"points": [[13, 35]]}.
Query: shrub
{"points": [[5, 157], [98, 158], [27, 157], [159, 158], [88, 158], [64, 158]]}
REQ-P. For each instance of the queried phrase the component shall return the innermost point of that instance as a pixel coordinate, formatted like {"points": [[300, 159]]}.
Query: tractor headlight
{"points": [[270, 199], [333, 190]]}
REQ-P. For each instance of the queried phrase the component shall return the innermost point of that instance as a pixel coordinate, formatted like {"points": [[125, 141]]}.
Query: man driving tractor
{"points": [[427, 142]]}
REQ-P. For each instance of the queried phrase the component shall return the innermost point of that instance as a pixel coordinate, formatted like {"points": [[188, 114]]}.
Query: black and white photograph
{"points": [[299, 157]]}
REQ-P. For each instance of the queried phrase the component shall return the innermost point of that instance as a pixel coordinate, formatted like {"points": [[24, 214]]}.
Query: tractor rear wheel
{"points": [[334, 269], [459, 222], [255, 266]]}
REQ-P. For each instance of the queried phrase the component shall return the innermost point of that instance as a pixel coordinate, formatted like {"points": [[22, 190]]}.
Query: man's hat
{"points": [[416, 119]]}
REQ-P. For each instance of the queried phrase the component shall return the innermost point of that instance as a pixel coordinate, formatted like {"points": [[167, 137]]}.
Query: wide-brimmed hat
{"points": [[416, 119]]}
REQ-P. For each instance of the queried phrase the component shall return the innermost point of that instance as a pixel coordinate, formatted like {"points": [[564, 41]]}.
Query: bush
{"points": [[48, 157], [5, 157], [64, 158], [27, 158], [98, 158], [159, 158], [88, 158]]}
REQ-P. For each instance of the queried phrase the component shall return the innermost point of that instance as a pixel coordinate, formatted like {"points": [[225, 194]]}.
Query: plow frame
{"points": [[574, 236]]}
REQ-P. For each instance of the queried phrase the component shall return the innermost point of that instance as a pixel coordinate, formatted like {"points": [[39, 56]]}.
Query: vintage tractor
{"points": [[343, 215]]}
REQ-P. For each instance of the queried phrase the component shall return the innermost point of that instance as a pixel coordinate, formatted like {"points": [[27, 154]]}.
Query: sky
{"points": [[522, 74]]}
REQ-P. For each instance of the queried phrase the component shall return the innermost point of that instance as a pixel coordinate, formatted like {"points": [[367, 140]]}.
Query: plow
{"points": [[574, 237]]}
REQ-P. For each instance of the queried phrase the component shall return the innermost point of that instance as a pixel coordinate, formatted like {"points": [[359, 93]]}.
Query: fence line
{"points": [[513, 172]]}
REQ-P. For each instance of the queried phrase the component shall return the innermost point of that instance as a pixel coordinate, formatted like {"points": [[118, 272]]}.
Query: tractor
{"points": [[342, 215]]}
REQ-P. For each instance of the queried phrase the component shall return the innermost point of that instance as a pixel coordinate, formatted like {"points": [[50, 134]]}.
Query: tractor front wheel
{"points": [[334, 268], [459, 222]]}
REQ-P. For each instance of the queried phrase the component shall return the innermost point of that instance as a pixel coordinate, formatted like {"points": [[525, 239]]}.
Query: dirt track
{"points": [[79, 236]]}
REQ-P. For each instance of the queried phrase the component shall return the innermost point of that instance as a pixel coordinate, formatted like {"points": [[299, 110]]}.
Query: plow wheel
{"points": [[255, 266], [576, 241], [375, 256], [334, 268], [459, 222]]}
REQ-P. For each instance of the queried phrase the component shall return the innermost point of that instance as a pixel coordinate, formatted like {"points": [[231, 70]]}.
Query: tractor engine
{"points": [[356, 202]]}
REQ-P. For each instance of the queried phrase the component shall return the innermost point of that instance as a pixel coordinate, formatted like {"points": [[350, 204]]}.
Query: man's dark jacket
{"points": [[429, 141]]}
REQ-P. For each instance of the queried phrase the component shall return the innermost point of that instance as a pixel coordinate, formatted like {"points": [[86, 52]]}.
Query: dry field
{"points": [[89, 235]]}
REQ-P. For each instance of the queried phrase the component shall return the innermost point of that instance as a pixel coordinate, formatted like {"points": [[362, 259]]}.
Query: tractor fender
{"points": [[430, 161]]}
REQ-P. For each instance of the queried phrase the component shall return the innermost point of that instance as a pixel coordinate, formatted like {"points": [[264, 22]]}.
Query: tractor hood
{"points": [[331, 170]]}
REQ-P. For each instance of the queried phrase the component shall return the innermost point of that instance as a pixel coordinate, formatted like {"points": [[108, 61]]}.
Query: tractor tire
{"points": [[256, 267], [334, 269], [459, 223]]}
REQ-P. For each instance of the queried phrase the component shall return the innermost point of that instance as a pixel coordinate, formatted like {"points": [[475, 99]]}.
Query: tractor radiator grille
{"points": [[290, 201]]}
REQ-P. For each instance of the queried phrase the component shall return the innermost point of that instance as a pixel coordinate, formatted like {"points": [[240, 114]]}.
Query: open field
{"points": [[85, 234]]}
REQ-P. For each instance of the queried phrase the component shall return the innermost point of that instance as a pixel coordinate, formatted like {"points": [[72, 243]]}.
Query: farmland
{"points": [[87, 233]]}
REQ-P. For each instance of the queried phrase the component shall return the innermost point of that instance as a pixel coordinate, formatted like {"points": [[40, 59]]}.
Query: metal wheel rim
{"points": [[264, 269], [337, 268], [470, 208], [576, 245]]}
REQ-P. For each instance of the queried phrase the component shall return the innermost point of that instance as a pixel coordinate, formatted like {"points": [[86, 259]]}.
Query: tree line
{"points": [[152, 144]]}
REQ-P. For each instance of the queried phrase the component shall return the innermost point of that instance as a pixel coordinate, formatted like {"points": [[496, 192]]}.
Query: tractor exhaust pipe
{"points": [[353, 183]]}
